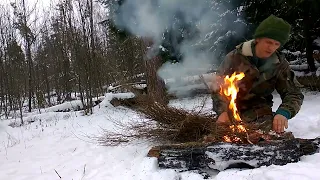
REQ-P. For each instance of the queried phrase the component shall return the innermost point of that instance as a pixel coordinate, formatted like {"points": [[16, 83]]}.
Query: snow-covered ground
{"points": [[62, 144]]}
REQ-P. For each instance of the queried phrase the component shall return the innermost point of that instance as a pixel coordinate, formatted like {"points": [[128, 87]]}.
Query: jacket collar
{"points": [[246, 50]]}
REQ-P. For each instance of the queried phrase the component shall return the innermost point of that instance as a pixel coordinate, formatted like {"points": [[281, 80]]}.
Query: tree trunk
{"points": [[65, 57], [88, 65], [20, 110], [30, 64], [27, 38], [47, 84], [81, 92], [92, 54], [1, 84], [155, 85], [307, 34]]}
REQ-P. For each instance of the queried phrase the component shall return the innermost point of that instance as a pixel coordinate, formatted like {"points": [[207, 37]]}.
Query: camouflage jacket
{"points": [[255, 97]]}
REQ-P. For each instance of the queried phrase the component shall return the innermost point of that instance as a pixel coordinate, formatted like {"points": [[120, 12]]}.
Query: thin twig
{"points": [[58, 174], [84, 171], [248, 138]]}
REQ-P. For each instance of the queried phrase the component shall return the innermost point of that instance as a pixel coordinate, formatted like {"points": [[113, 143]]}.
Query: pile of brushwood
{"points": [[166, 124], [193, 140]]}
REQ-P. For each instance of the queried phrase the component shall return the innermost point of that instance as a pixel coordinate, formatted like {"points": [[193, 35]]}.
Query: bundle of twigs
{"points": [[163, 123], [178, 124]]}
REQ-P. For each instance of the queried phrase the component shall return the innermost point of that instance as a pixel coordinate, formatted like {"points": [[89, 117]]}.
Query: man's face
{"points": [[265, 47]]}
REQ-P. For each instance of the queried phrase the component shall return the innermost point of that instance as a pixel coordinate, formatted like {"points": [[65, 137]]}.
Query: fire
{"points": [[230, 90], [227, 139], [239, 127]]}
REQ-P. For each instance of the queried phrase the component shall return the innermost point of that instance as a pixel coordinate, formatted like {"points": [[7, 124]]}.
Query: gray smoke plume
{"points": [[152, 18]]}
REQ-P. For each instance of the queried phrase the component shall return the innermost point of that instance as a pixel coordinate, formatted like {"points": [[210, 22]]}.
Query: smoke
{"points": [[153, 18]]}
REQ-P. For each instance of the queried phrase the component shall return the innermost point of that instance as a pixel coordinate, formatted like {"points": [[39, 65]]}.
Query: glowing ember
{"points": [[242, 128], [227, 139], [236, 139], [239, 127]]}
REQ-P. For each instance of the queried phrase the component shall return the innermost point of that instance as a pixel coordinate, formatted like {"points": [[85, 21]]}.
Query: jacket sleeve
{"points": [[219, 103], [290, 94]]}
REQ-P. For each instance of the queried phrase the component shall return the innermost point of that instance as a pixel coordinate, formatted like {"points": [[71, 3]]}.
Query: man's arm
{"points": [[219, 104], [291, 95]]}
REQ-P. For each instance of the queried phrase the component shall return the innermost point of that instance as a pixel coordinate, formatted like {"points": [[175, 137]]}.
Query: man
{"points": [[265, 70]]}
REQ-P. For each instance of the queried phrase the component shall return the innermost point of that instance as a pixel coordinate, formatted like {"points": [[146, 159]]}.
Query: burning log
{"points": [[223, 155]]}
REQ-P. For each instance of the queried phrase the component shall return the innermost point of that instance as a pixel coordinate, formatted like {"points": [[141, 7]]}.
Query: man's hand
{"points": [[280, 123], [223, 118]]}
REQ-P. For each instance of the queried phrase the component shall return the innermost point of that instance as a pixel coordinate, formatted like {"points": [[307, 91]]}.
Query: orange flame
{"points": [[230, 90], [227, 139], [239, 127]]}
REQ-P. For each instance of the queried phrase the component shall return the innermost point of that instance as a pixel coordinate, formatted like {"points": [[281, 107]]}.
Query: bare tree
{"points": [[20, 11]]}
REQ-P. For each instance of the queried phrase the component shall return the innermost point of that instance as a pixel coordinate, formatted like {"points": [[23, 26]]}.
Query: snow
{"points": [[317, 41], [303, 66], [295, 68], [298, 61], [221, 165], [64, 143], [139, 86], [296, 53], [72, 105]]}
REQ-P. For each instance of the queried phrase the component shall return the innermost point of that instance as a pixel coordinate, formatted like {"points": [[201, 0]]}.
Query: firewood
{"points": [[223, 155]]}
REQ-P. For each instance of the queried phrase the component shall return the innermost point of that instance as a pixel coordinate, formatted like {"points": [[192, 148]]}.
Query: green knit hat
{"points": [[274, 28]]}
